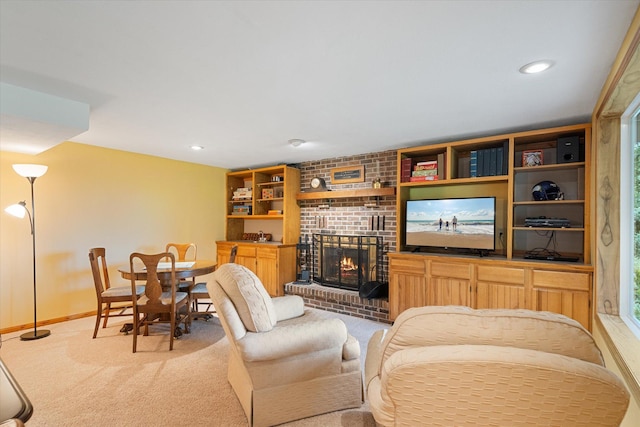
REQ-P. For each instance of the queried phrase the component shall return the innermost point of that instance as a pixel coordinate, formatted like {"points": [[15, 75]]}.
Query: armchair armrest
{"points": [[293, 339], [288, 306], [373, 361]]}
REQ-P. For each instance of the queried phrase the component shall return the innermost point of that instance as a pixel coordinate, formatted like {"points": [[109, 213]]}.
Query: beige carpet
{"points": [[74, 380]]}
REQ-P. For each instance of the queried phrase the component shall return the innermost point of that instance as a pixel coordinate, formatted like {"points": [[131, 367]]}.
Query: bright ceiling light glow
{"points": [[197, 147], [536, 67]]}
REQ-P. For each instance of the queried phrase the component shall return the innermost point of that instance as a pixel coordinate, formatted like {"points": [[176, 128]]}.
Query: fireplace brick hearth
{"points": [[340, 301]]}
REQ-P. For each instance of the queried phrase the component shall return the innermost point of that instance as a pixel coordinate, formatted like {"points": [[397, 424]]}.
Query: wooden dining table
{"points": [[183, 271]]}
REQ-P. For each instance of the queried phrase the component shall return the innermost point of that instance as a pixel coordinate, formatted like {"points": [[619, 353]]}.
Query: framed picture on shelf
{"points": [[347, 174], [531, 158]]}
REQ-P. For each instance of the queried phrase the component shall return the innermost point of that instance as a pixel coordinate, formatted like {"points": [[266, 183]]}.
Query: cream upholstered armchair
{"points": [[455, 366], [285, 362]]}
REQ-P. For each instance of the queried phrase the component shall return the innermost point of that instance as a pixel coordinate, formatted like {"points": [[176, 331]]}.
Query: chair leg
{"points": [[173, 329], [106, 315], [98, 316], [187, 318], [135, 331]]}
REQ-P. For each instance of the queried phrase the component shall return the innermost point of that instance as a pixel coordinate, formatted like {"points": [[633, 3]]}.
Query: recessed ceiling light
{"points": [[536, 67], [197, 147], [297, 142]]}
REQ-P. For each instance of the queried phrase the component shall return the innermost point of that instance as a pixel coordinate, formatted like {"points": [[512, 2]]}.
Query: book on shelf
{"points": [[486, 162], [500, 170], [493, 161], [427, 165], [406, 167], [442, 166], [425, 172], [464, 167], [473, 164], [423, 178], [274, 212]]}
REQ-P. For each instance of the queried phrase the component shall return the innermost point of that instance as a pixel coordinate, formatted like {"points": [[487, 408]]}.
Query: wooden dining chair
{"points": [[156, 306], [200, 294], [184, 252], [106, 294]]}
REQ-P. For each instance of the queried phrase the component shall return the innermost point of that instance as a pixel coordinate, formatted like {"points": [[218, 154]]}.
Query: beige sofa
{"points": [[455, 366], [285, 362]]}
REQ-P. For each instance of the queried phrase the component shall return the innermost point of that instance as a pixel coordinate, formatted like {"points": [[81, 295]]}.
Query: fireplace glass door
{"points": [[346, 262]]}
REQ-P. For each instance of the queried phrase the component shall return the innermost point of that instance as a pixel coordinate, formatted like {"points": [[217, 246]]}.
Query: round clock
{"points": [[318, 183]]}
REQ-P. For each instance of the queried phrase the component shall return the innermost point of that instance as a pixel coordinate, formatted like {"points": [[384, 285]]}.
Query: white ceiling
{"points": [[241, 78]]}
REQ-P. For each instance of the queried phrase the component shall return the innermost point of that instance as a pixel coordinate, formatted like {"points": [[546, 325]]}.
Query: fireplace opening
{"points": [[346, 262]]}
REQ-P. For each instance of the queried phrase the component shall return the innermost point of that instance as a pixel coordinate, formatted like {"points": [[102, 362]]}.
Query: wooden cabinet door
{"points": [[563, 292], [407, 284], [247, 256], [267, 269], [500, 287], [449, 291], [223, 254], [449, 283]]}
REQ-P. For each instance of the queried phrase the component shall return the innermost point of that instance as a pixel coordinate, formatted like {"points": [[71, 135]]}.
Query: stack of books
{"points": [[242, 193], [489, 161], [425, 171]]}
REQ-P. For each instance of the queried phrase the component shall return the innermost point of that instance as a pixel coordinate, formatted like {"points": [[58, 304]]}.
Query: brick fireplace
{"points": [[368, 217]]}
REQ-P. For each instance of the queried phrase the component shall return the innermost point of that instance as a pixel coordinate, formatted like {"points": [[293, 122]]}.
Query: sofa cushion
{"points": [[248, 295], [455, 325]]}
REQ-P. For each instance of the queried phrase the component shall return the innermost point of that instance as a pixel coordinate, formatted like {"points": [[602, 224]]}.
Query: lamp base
{"points": [[35, 335]]}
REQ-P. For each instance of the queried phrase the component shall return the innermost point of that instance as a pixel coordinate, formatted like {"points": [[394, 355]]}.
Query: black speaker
{"points": [[568, 149], [372, 290]]}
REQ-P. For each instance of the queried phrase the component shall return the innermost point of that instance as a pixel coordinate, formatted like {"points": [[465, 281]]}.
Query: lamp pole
{"points": [[31, 172], [32, 219]]}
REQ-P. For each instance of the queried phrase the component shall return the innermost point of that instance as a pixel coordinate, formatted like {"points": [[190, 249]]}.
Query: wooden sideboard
{"points": [[273, 263], [418, 279]]}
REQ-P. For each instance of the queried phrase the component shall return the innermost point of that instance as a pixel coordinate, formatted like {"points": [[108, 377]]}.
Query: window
{"points": [[636, 215], [630, 217]]}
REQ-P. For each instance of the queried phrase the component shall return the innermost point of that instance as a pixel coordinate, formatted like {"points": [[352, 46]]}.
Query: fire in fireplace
{"points": [[346, 262]]}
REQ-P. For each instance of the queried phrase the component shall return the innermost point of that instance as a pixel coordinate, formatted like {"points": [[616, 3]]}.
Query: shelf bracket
{"points": [[375, 204], [325, 205]]}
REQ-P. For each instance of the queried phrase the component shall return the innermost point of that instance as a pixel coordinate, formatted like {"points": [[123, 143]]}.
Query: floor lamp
{"points": [[31, 172]]}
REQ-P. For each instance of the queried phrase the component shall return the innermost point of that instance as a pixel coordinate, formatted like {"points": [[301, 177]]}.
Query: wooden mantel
{"points": [[344, 194]]}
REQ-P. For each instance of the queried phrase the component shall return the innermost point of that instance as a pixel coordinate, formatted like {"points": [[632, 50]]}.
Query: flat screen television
{"points": [[461, 223]]}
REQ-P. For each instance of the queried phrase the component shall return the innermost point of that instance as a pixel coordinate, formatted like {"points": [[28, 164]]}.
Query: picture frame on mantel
{"points": [[347, 174]]}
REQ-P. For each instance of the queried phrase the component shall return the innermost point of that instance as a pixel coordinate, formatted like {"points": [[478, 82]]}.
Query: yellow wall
{"points": [[93, 197]]}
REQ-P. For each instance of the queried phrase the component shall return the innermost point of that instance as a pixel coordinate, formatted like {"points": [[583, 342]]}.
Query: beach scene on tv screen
{"points": [[451, 223]]}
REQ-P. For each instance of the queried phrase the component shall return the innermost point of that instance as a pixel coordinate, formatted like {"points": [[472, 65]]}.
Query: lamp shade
{"points": [[30, 171], [17, 210]]}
